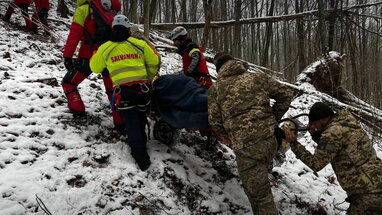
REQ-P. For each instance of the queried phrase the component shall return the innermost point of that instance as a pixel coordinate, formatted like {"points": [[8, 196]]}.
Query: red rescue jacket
{"points": [[82, 29], [202, 73]]}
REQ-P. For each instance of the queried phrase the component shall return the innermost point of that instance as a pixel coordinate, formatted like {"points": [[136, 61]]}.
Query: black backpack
{"points": [[102, 29]]}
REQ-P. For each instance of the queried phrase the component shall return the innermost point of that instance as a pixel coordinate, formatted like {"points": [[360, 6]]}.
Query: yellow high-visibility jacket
{"points": [[127, 61]]}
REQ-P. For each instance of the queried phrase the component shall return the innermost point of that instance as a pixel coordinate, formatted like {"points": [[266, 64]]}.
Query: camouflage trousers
{"points": [[253, 162], [370, 204]]}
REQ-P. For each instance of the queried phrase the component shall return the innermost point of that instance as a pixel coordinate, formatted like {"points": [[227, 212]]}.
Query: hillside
{"points": [[81, 166]]}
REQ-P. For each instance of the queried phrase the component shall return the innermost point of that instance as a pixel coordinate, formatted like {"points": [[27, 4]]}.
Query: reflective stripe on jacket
{"points": [[128, 61]]}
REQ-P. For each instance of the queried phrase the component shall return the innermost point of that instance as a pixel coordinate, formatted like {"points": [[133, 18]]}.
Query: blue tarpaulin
{"points": [[181, 102]]}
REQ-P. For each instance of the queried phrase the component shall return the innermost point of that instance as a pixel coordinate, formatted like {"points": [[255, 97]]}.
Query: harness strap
{"points": [[116, 97]]}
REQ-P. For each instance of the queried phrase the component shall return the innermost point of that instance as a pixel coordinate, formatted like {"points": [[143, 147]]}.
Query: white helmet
{"points": [[106, 4], [111, 5], [121, 20], [177, 32]]}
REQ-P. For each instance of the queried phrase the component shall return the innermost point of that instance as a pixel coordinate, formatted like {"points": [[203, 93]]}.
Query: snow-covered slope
{"points": [[81, 166]]}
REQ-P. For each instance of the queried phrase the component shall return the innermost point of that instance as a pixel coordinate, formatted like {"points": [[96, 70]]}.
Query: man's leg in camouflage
{"points": [[253, 169], [370, 204]]}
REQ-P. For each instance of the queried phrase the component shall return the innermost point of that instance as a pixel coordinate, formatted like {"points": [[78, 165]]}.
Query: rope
{"points": [[42, 206]]}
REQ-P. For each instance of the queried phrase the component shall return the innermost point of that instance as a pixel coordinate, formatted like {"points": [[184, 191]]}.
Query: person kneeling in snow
{"points": [[132, 64], [342, 142]]}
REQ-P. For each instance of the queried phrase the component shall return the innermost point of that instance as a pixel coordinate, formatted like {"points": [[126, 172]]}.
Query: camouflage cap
{"points": [[318, 111]]}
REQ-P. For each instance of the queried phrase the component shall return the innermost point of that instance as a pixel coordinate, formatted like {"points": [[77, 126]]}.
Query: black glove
{"points": [[193, 74], [316, 136], [68, 62], [280, 135]]}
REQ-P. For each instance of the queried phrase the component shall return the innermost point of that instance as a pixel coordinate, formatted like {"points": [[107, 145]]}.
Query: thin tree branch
{"points": [[366, 15], [357, 25]]}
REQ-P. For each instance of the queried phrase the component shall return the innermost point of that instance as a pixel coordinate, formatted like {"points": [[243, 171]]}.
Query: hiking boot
{"points": [[75, 103], [144, 165], [141, 157]]}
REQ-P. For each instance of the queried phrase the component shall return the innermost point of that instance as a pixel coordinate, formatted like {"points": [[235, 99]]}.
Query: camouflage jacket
{"points": [[239, 104], [347, 147]]}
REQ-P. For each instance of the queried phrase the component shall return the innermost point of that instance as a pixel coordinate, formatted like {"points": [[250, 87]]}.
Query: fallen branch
{"points": [[49, 81]]}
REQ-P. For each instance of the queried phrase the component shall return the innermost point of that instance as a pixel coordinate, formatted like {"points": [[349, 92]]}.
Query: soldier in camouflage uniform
{"points": [[239, 109], [342, 142]]}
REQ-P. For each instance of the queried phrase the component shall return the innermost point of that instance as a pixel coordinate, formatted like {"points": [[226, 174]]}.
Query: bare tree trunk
{"points": [[286, 44], [331, 25], [193, 16], [277, 45], [133, 11], [322, 26], [166, 11], [353, 60], [62, 9], [253, 41], [125, 6], [173, 11], [153, 10], [237, 30], [365, 86], [207, 5], [216, 42], [183, 11], [377, 70], [146, 19], [268, 37], [159, 11], [224, 31], [301, 38]]}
